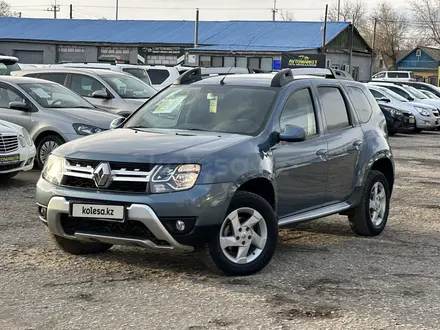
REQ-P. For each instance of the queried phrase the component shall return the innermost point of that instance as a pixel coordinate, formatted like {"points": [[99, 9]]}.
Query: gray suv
{"points": [[217, 165]]}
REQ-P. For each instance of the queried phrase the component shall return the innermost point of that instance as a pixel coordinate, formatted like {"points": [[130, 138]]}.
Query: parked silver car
{"points": [[51, 113], [427, 116], [117, 92]]}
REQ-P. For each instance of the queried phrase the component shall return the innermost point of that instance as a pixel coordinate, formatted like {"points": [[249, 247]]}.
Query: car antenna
{"points": [[222, 82]]}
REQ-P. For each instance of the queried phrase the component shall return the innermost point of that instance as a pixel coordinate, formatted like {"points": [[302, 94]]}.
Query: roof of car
{"points": [[22, 80]]}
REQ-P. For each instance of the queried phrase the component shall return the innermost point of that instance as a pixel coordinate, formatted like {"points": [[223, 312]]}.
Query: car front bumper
{"points": [[428, 123], [202, 208], [26, 163]]}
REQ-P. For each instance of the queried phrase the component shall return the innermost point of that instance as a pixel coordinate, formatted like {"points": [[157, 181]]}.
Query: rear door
{"points": [[345, 140]]}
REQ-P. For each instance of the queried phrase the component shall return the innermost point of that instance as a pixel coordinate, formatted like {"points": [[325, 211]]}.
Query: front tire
{"points": [[370, 217], [247, 238], [79, 248], [45, 147]]}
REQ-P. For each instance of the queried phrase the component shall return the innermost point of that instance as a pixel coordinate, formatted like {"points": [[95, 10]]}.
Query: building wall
{"points": [[49, 51], [417, 63]]}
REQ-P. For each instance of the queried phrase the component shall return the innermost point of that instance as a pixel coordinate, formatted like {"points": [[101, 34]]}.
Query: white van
{"points": [[394, 75]]}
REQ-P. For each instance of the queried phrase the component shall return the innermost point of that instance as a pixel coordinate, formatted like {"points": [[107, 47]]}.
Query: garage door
{"points": [[29, 56]]}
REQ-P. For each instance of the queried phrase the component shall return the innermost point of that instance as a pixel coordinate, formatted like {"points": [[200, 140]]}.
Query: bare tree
{"points": [[5, 10], [287, 15], [393, 30], [426, 17], [350, 11]]}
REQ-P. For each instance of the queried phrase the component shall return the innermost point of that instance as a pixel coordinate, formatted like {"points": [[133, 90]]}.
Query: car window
{"points": [[50, 95], [361, 103], [85, 85], [7, 95], [299, 110], [55, 77], [32, 75], [214, 108], [392, 74], [139, 73], [392, 94], [380, 75], [399, 91], [158, 76], [129, 87], [335, 108], [402, 75], [376, 94]]}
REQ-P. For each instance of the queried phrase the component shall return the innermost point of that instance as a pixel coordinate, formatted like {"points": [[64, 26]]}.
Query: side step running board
{"points": [[314, 214]]}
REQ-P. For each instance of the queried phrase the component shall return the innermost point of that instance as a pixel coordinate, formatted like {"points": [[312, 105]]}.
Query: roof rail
{"points": [[281, 78], [328, 73], [189, 77]]}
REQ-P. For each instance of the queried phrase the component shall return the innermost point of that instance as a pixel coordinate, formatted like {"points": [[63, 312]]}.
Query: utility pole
{"points": [[274, 10], [55, 8], [19, 14], [324, 41], [117, 9], [196, 32], [71, 11], [373, 45], [350, 60], [339, 9]]}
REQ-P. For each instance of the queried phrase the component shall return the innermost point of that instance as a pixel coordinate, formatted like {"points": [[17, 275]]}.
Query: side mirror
{"points": [[117, 122], [292, 134], [101, 94], [384, 99], [17, 105]]}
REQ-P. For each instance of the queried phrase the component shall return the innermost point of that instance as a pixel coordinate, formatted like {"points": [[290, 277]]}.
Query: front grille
{"points": [[10, 166], [435, 113], [128, 229], [8, 143], [141, 167], [124, 186]]}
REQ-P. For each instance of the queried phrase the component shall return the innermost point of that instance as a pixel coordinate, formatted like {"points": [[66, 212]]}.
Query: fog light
{"points": [[180, 225], [43, 212]]}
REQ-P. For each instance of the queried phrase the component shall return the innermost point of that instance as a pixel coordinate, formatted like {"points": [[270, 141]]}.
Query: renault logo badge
{"points": [[102, 175]]}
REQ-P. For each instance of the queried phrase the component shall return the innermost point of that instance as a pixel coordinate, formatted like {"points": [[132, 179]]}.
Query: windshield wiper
{"points": [[196, 129]]}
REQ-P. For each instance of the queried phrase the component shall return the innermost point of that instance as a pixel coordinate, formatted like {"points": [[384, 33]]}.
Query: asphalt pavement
{"points": [[322, 275]]}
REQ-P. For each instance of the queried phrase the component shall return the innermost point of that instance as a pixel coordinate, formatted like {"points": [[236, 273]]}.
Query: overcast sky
{"points": [[181, 9]]}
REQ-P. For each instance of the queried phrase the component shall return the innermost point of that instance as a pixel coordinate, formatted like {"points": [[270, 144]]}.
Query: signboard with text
{"points": [[295, 61]]}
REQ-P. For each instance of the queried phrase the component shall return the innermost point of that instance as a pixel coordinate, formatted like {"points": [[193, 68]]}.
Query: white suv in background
{"points": [[162, 76], [394, 75]]}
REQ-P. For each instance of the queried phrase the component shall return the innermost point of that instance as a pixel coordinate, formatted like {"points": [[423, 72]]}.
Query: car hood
{"points": [[131, 145], [7, 127], [93, 117], [434, 103]]}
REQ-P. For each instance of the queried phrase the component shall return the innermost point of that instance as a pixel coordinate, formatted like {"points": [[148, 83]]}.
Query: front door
{"points": [[301, 167], [19, 117], [345, 143]]}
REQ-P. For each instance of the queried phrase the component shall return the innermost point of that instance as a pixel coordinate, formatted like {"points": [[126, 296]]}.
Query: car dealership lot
{"points": [[322, 276]]}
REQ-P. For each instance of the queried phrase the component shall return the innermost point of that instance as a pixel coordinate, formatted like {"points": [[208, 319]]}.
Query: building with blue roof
{"points": [[266, 45]]}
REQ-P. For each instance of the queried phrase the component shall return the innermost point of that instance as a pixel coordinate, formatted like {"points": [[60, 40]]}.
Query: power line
{"points": [[55, 8]]}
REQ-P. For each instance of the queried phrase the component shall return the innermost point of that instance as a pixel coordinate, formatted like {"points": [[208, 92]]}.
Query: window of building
{"points": [[335, 109], [217, 61], [300, 111], [254, 62], [266, 63], [361, 103], [229, 61], [241, 62], [205, 61]]}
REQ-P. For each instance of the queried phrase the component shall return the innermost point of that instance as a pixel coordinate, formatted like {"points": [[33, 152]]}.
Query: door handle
{"points": [[357, 144], [322, 153]]}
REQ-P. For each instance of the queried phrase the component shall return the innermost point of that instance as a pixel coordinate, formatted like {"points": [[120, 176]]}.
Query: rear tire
{"points": [[417, 130], [79, 248], [247, 239], [370, 217]]}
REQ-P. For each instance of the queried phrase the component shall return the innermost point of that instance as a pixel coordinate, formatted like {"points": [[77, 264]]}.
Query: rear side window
{"points": [[335, 108], [399, 91], [361, 104], [158, 76], [376, 94], [55, 77], [402, 75]]}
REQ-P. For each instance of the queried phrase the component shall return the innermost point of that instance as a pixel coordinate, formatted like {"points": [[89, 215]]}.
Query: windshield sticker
{"points": [[168, 106], [213, 104], [41, 93]]}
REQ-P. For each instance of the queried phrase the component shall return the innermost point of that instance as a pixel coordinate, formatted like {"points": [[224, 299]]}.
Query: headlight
{"points": [[395, 112], [169, 178], [422, 111], [27, 137], [22, 141], [83, 129], [53, 169]]}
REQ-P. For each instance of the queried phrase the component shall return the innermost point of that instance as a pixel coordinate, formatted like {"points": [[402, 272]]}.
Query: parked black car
{"points": [[398, 119]]}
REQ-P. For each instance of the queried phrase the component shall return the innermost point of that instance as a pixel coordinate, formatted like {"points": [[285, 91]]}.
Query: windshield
{"points": [[50, 95], [215, 108], [141, 74], [392, 94], [129, 87], [415, 92], [431, 95]]}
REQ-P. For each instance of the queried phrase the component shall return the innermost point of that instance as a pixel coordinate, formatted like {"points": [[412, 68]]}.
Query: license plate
{"points": [[12, 159], [412, 120], [96, 211]]}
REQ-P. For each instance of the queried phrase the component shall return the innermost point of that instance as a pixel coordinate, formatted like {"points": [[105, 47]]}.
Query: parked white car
{"points": [[162, 76], [394, 76], [17, 150]]}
